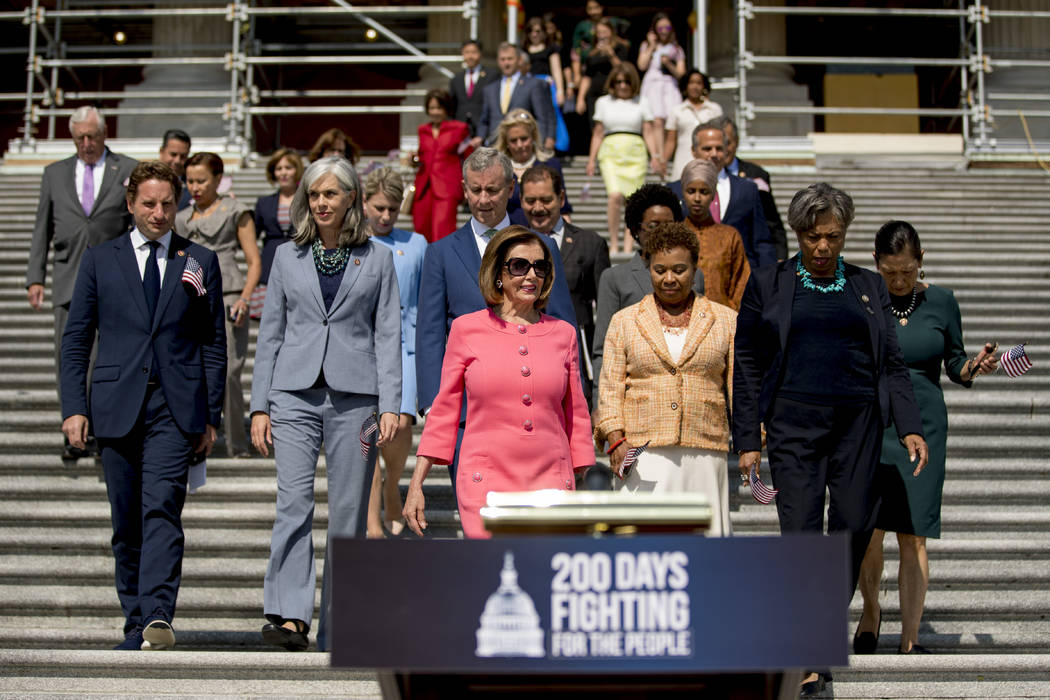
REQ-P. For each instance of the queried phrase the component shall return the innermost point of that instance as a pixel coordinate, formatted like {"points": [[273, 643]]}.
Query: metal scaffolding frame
{"points": [[243, 57], [975, 110], [243, 99]]}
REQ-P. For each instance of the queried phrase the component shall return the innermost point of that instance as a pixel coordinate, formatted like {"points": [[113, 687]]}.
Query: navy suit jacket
{"points": [[186, 338], [449, 289], [746, 215], [530, 93], [762, 329]]}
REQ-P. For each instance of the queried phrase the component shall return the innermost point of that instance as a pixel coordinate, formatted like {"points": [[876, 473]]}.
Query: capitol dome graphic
{"points": [[510, 625]]}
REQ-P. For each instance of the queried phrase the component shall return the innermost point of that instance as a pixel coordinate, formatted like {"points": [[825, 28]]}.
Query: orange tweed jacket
{"points": [[649, 397]]}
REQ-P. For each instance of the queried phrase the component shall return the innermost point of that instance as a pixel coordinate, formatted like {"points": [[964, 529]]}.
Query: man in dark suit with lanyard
{"points": [[449, 283], [155, 301], [467, 87], [81, 205], [584, 253]]}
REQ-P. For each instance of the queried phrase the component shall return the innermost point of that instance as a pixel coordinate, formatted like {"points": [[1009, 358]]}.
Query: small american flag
{"points": [[1015, 362], [368, 428], [762, 493], [193, 277], [630, 458]]}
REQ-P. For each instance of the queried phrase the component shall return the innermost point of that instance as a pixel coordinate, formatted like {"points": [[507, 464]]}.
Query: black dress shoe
{"points": [[132, 641], [867, 642], [292, 640]]}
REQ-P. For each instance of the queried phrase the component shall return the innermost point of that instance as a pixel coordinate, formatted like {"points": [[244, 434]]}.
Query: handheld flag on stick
{"points": [[1015, 362], [630, 458], [368, 428], [193, 278], [762, 493]]}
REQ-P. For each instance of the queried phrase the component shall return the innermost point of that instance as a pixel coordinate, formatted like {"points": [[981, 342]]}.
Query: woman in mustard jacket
{"points": [[666, 380]]}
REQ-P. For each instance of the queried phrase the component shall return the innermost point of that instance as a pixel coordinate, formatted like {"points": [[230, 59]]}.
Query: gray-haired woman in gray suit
{"points": [[328, 361]]}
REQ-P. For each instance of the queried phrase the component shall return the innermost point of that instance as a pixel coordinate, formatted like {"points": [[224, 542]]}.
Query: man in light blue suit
{"points": [[449, 288], [156, 390]]}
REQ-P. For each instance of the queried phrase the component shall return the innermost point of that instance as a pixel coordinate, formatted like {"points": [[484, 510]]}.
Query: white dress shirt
{"points": [[479, 230], [139, 241], [723, 193], [558, 232], [99, 171]]}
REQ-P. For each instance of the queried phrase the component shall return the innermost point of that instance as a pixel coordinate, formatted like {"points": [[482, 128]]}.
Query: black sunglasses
{"points": [[519, 267]]}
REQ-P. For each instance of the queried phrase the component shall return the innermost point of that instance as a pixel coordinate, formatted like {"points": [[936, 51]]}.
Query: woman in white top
{"points": [[691, 113], [623, 136], [663, 61]]}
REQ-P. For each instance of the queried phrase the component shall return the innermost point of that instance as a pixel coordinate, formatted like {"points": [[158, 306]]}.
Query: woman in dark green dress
{"points": [[930, 334]]}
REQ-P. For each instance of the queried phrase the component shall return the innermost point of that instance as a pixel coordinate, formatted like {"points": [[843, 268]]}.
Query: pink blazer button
{"points": [[522, 350], [568, 483], [525, 371], [527, 424], [476, 476], [526, 398], [521, 329]]}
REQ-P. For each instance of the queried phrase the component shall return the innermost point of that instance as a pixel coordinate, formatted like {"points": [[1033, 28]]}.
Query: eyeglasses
{"points": [[519, 267]]}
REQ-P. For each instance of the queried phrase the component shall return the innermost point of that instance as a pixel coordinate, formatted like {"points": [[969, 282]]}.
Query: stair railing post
{"points": [[743, 62], [33, 16]]}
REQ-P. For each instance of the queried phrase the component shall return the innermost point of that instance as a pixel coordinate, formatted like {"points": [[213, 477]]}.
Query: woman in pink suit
{"points": [[527, 424], [443, 144]]}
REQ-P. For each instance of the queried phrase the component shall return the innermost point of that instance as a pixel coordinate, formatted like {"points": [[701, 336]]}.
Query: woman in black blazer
{"points": [[817, 363], [284, 169]]}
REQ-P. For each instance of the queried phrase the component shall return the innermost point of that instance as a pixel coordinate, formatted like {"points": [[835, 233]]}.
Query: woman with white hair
{"points": [[327, 371]]}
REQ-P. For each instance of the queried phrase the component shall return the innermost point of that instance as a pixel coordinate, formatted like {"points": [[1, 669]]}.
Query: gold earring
{"points": [[922, 274], [499, 284]]}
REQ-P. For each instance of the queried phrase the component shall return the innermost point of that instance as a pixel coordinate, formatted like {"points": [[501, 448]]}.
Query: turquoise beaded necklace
{"points": [[329, 265], [807, 279]]}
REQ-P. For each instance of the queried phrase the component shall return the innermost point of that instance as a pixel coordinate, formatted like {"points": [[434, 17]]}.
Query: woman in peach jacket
{"points": [[666, 380], [527, 423]]}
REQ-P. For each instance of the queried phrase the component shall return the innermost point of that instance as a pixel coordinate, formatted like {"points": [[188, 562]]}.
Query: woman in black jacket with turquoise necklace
{"points": [[817, 362]]}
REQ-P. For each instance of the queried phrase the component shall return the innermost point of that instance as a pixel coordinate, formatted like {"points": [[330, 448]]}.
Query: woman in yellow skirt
{"points": [[624, 136]]}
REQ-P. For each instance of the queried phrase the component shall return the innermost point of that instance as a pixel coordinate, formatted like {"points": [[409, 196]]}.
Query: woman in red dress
{"points": [[443, 144]]}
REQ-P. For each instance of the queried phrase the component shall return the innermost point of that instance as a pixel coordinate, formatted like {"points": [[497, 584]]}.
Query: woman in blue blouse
{"points": [[383, 190]]}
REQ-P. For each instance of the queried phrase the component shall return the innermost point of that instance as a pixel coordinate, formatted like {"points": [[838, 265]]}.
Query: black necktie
{"points": [[151, 279]]}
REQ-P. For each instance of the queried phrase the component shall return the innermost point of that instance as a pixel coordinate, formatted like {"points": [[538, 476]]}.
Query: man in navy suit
{"points": [[737, 203], [175, 151], [449, 285], [155, 300], [467, 87], [516, 90]]}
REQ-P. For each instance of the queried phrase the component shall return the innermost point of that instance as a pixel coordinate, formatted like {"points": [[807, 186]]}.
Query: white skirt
{"points": [[682, 470]]}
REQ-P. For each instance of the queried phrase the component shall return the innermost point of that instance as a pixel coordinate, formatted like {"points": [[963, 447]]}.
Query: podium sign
{"points": [[646, 604]]}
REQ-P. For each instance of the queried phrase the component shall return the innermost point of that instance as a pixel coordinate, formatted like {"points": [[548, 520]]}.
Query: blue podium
{"points": [[569, 616]]}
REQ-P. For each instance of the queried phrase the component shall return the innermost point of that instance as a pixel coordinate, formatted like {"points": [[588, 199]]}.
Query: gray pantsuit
{"points": [[302, 421], [320, 372]]}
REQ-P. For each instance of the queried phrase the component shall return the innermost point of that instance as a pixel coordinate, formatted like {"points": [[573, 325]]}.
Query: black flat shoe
{"points": [[915, 649], [292, 640], [813, 688], [867, 642]]}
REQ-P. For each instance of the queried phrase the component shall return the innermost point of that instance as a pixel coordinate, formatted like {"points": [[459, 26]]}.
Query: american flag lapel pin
{"points": [[181, 253]]}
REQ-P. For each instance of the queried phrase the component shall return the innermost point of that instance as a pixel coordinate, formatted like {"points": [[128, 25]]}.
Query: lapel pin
{"points": [[864, 298], [357, 261], [568, 239], [181, 253], [400, 252]]}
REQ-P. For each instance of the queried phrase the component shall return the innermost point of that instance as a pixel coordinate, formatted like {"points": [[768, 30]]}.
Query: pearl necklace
{"points": [[329, 265], [902, 316], [807, 279]]}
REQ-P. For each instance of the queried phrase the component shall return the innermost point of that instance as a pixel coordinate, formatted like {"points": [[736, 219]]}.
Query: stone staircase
{"points": [[986, 612]]}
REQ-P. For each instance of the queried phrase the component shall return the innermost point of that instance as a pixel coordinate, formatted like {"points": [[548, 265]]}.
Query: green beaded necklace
{"points": [[807, 279], [329, 265]]}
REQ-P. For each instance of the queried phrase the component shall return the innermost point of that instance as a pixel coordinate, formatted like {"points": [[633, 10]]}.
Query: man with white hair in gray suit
{"points": [[82, 203]]}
